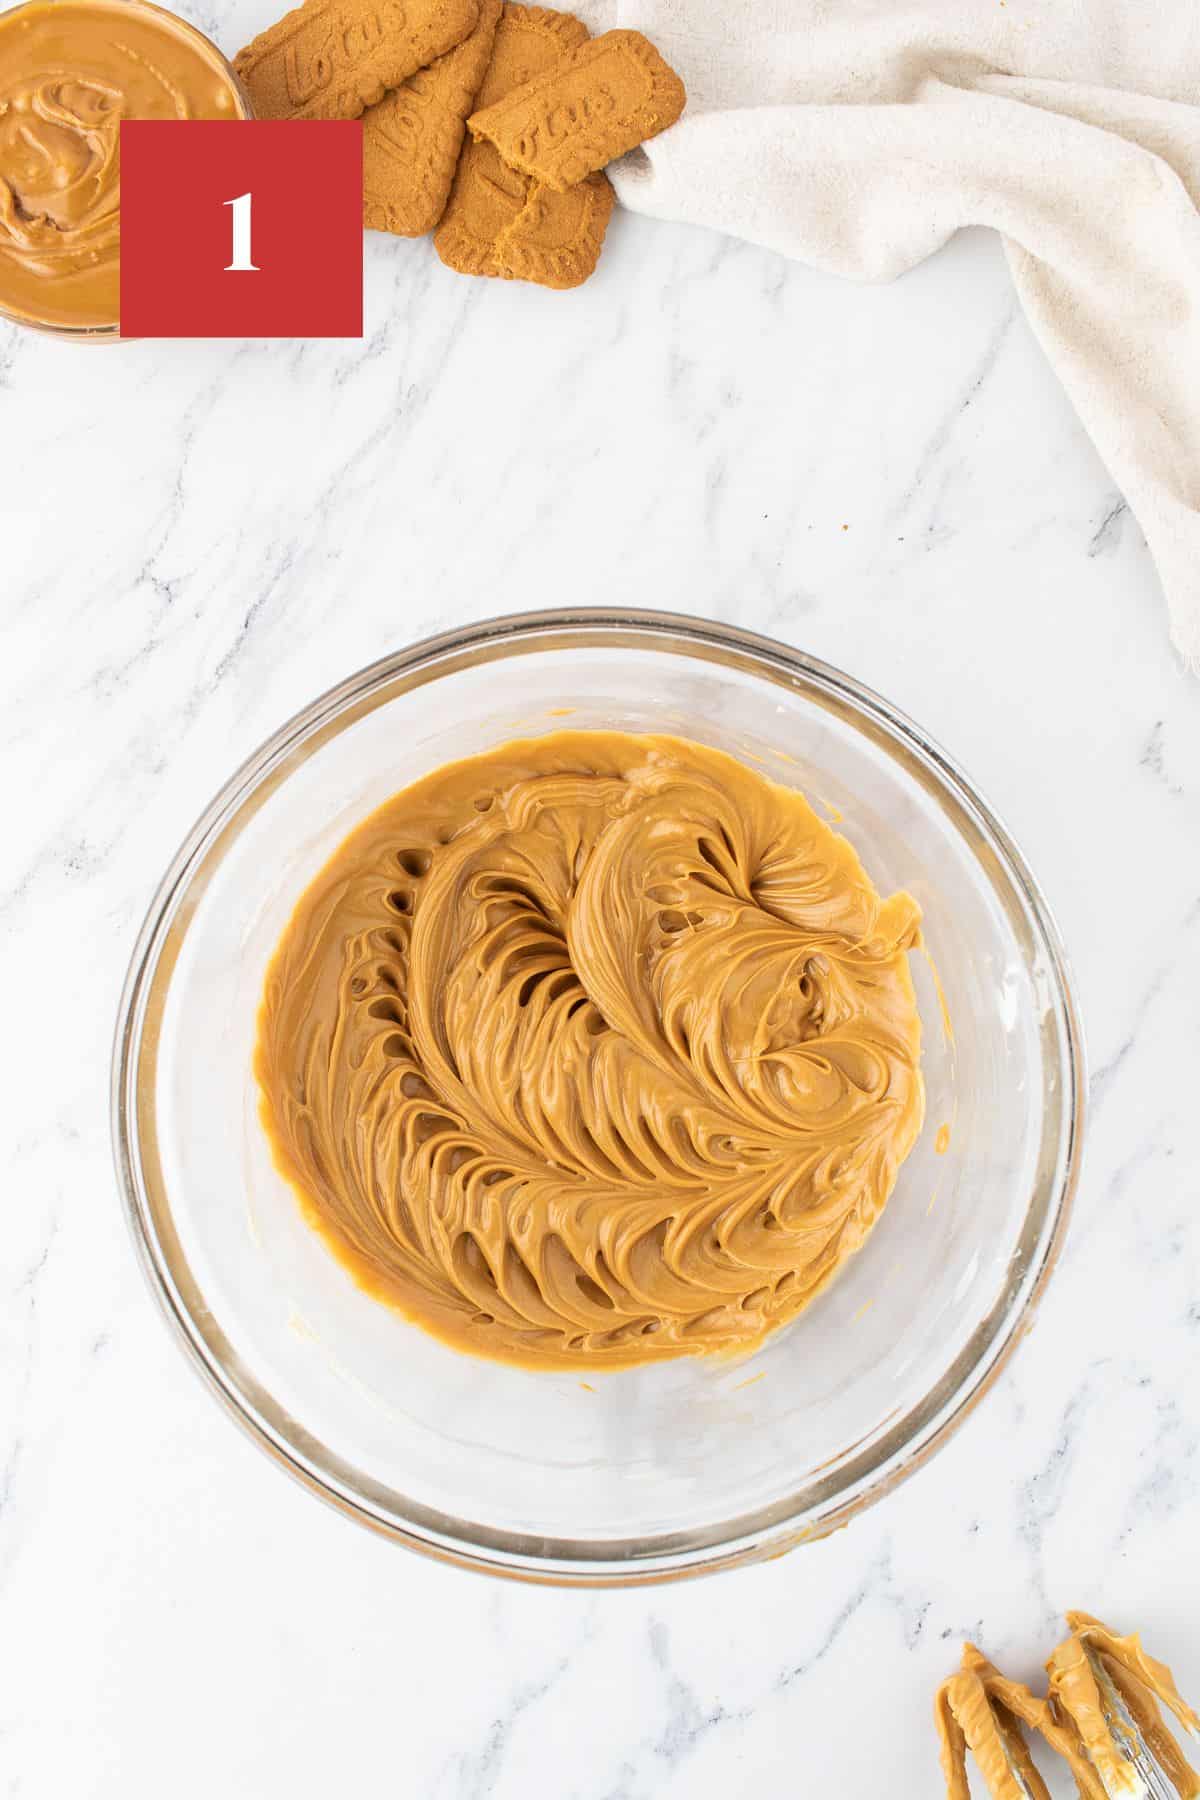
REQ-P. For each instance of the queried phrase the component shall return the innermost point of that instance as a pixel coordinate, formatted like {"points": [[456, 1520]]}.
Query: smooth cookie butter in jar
{"points": [[70, 71]]}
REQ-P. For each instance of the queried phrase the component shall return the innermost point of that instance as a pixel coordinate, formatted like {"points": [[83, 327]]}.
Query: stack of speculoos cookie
{"points": [[485, 122]]}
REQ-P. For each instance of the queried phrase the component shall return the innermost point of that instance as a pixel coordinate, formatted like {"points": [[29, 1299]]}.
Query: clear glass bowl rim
{"points": [[819, 1506]]}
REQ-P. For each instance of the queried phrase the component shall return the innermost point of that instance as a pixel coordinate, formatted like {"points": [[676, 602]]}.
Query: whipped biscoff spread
{"points": [[593, 1050], [70, 71]]}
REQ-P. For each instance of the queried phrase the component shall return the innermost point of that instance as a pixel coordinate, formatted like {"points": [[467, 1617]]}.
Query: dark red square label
{"points": [[241, 228]]}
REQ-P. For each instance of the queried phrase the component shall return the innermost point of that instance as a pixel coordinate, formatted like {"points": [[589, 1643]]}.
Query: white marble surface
{"points": [[196, 539]]}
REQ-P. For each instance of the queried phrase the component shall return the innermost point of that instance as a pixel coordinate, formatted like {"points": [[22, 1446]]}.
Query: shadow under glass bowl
{"points": [[652, 1472]]}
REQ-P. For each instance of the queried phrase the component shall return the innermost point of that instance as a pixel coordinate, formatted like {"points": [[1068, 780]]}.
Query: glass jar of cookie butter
{"points": [[70, 71]]}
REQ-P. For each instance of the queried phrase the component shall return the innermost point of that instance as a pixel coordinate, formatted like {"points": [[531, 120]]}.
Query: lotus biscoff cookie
{"points": [[488, 197], [529, 40], [331, 58], [604, 99], [412, 138], [556, 239]]}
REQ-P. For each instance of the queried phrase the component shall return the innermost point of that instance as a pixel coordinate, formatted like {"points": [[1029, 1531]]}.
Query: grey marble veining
{"points": [[197, 539]]}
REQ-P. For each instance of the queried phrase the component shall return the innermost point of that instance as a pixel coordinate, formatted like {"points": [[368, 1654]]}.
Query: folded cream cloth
{"points": [[858, 135]]}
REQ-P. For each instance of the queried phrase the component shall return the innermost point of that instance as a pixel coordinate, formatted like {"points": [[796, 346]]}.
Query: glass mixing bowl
{"points": [[658, 1471], [109, 331]]}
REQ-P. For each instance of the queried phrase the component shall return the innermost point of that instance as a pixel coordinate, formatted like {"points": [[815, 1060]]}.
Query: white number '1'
{"points": [[241, 235]]}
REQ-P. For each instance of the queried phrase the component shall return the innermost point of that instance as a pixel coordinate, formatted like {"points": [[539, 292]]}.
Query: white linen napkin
{"points": [[858, 135]]}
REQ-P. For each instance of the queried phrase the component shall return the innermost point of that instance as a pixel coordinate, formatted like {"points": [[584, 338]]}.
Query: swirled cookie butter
{"points": [[593, 1050], [70, 71]]}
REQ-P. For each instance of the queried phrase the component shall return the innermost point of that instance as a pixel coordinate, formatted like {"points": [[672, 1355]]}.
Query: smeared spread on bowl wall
{"points": [[594, 1050]]}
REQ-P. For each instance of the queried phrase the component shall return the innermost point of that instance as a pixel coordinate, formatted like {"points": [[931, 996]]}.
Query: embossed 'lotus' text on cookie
{"points": [[329, 61], [487, 196], [413, 137], [604, 99]]}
